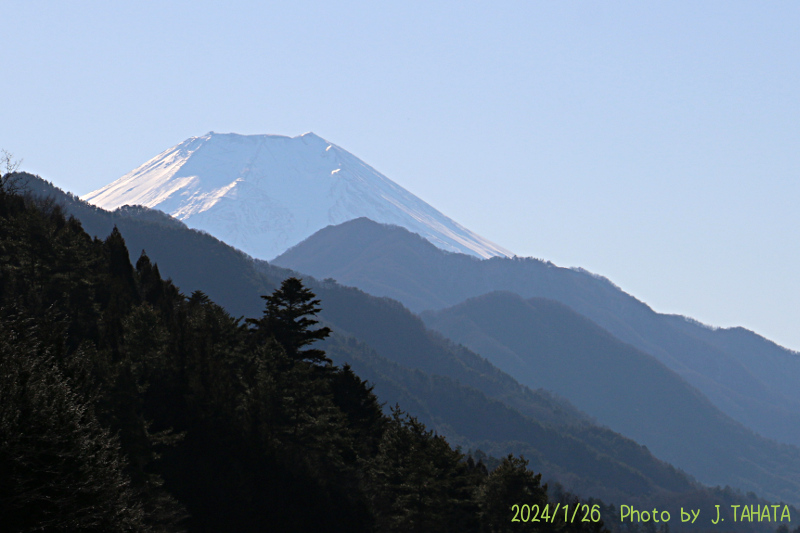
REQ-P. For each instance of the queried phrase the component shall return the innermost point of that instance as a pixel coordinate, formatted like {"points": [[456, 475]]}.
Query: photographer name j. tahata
{"points": [[739, 513]]}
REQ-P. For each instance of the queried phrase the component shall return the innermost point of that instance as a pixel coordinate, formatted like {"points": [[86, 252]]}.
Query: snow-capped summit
{"points": [[266, 193]]}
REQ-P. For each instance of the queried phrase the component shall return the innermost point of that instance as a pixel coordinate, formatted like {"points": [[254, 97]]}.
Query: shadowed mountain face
{"points": [[746, 376], [458, 393], [546, 344], [450, 389]]}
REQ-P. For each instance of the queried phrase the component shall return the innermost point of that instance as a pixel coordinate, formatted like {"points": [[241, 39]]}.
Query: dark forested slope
{"points": [[382, 330], [126, 405], [192, 259]]}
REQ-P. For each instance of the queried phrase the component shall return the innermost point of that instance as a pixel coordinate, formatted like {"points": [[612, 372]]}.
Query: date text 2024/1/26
{"points": [[533, 513]]}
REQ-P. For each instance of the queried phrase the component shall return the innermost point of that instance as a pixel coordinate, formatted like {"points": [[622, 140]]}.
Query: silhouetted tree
{"points": [[508, 484], [289, 317], [417, 482], [8, 172]]}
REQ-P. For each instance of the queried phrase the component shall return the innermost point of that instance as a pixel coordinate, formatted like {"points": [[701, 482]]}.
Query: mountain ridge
{"points": [[388, 261], [265, 193], [198, 261], [545, 343]]}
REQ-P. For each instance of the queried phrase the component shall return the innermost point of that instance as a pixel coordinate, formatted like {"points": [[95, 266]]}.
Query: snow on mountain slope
{"points": [[266, 193]]}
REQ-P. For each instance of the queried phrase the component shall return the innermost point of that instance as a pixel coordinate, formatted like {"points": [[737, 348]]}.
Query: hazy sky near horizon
{"points": [[656, 144]]}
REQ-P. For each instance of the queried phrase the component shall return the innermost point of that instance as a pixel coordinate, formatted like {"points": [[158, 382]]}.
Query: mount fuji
{"points": [[266, 193]]}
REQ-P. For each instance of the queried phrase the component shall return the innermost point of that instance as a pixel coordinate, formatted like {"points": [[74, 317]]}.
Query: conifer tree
{"points": [[417, 482], [289, 317], [60, 470], [508, 484]]}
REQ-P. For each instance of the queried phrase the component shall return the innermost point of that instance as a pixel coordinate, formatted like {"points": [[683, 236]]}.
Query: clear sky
{"points": [[655, 143]]}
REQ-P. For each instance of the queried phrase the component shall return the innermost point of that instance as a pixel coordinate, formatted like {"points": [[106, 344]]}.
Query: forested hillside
{"points": [[206, 458], [406, 363], [126, 405]]}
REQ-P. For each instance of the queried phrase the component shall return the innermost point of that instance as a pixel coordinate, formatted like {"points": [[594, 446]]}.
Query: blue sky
{"points": [[657, 144]]}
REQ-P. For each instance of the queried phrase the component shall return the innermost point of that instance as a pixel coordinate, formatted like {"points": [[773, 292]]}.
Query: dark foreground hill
{"points": [[383, 332], [126, 405], [415, 365], [746, 376]]}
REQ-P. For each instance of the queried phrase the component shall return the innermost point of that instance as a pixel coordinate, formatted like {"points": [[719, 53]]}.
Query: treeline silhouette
{"points": [[126, 405]]}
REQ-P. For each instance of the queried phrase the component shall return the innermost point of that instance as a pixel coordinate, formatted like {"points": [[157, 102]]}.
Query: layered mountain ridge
{"points": [[266, 193], [746, 376], [450, 389], [458, 393]]}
